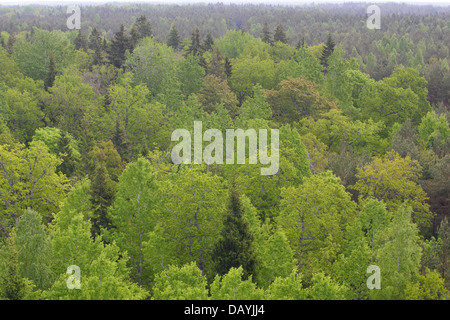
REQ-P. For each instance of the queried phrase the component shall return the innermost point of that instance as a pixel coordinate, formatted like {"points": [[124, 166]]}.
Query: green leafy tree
{"points": [[33, 57], [314, 217], [430, 286], [295, 99], [133, 214], [398, 256], [29, 180], [180, 283], [34, 250], [104, 274], [13, 286], [232, 286], [393, 179], [250, 71]]}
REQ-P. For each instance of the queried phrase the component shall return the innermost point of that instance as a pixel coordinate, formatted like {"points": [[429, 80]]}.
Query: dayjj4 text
{"points": [[252, 310]]}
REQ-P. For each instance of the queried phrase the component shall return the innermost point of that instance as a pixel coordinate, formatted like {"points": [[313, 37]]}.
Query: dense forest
{"points": [[88, 185]]}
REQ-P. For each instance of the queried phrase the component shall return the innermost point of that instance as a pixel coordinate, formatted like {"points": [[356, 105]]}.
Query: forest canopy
{"points": [[87, 180]]}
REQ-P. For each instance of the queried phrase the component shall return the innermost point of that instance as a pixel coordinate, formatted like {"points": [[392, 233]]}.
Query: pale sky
{"points": [[292, 2]]}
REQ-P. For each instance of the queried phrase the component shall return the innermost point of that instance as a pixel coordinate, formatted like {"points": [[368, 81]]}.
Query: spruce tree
{"points": [[174, 38], [135, 36], [266, 35], [143, 27], [195, 48], [234, 249], [119, 45], [121, 141], [51, 74], [94, 39], [70, 161], [327, 51], [80, 42], [228, 67], [279, 34], [208, 43], [10, 44], [216, 65], [300, 43]]}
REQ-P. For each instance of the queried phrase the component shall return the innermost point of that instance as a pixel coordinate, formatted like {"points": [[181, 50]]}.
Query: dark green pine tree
{"points": [[51, 73], [121, 141], [279, 34], [2, 42], [234, 249], [208, 43], [228, 67], [10, 44], [135, 36], [143, 27], [327, 50], [266, 35], [94, 39], [119, 45], [103, 191], [195, 48], [80, 42], [97, 57], [174, 38], [300, 43], [65, 149]]}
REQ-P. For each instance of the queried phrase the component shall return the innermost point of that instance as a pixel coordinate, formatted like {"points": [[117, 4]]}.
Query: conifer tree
{"points": [[327, 51], [119, 45], [135, 36], [174, 38], [94, 39], [234, 249], [66, 151], [208, 43], [266, 35], [143, 27], [51, 74], [80, 42], [196, 46], [228, 67], [121, 141], [279, 34], [10, 43]]}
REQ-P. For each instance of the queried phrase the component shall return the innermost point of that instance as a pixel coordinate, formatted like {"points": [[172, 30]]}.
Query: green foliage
{"points": [[393, 179], [133, 214], [398, 256], [33, 57], [232, 286], [180, 283]]}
